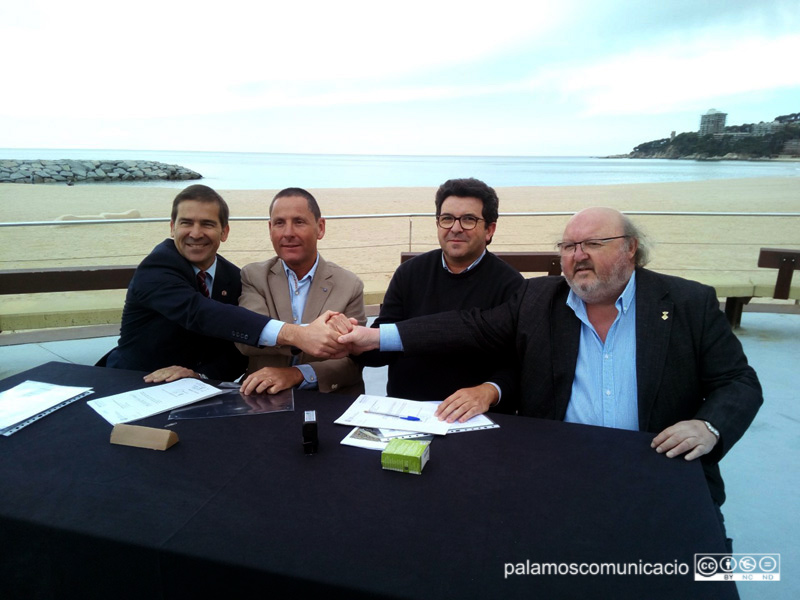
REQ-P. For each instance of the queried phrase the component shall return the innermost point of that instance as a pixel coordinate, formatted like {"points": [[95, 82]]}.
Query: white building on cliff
{"points": [[712, 122]]}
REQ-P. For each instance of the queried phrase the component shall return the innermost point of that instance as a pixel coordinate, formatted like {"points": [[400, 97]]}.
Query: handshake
{"points": [[331, 335]]}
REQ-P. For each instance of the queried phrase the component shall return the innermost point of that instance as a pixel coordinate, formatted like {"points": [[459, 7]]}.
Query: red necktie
{"points": [[201, 281]]}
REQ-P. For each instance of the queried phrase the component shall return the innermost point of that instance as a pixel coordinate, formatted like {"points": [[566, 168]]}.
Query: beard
{"points": [[603, 288]]}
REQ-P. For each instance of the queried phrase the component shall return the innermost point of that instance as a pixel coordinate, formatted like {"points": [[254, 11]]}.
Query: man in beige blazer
{"points": [[297, 286]]}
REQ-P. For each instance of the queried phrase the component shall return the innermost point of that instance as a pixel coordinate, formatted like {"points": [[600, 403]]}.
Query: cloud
{"points": [[150, 58], [676, 77], [156, 73]]}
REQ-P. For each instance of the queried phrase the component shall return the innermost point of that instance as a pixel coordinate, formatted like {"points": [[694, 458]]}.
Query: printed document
{"points": [[149, 401], [374, 438], [30, 398], [393, 413]]}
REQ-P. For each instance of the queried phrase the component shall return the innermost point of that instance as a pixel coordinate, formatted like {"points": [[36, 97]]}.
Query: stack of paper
{"points": [[31, 400], [377, 420], [149, 401]]}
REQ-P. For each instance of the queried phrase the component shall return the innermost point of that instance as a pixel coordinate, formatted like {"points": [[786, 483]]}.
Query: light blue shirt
{"points": [[298, 294], [469, 268], [604, 391]]}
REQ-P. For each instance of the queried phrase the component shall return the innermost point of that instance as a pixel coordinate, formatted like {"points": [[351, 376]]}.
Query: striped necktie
{"points": [[201, 281]]}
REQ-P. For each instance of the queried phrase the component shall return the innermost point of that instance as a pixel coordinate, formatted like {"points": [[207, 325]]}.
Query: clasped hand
{"points": [[320, 338]]}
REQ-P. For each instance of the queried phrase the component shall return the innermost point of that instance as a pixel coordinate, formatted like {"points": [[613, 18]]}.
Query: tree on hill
{"points": [[754, 146], [792, 118]]}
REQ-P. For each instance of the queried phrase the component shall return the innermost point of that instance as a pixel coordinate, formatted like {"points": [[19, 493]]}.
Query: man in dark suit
{"points": [[181, 316], [612, 344]]}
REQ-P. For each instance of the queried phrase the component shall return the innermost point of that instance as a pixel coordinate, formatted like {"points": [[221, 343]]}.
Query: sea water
{"points": [[255, 170]]}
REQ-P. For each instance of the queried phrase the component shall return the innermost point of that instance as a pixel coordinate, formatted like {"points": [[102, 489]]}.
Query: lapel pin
{"points": [[665, 315], [324, 289], [224, 293]]}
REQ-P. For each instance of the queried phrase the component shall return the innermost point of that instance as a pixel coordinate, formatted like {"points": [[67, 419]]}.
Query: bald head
{"points": [[596, 222], [602, 218], [598, 254]]}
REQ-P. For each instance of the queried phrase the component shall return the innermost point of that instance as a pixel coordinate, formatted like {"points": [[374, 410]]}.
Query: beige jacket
{"points": [[265, 290]]}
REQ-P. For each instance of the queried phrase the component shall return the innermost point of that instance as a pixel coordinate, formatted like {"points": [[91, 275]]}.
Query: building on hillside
{"points": [[712, 122], [767, 128]]}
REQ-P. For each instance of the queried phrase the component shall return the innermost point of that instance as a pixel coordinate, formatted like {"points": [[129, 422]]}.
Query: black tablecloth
{"points": [[237, 508]]}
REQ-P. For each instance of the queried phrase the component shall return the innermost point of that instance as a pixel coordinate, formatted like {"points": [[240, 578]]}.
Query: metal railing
{"points": [[410, 216], [672, 213]]}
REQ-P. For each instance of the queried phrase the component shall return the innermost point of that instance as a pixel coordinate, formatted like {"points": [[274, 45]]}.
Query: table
{"points": [[237, 509]]}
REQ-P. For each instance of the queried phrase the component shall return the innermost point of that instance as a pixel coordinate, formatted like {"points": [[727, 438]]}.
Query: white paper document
{"points": [[30, 398], [375, 438], [149, 401], [474, 424], [362, 414]]}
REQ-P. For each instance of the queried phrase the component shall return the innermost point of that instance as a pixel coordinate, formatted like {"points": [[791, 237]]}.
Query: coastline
{"points": [[782, 158], [371, 247]]}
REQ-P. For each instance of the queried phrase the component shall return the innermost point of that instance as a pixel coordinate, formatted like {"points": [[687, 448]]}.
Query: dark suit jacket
{"points": [[167, 321], [689, 365]]}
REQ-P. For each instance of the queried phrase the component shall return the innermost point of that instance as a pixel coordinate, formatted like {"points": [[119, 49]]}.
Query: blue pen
{"points": [[409, 418]]}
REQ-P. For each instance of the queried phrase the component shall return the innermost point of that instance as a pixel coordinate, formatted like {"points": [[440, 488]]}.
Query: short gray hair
{"points": [[642, 256]]}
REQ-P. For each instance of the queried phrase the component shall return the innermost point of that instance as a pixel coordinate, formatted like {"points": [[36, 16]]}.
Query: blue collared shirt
{"points": [[604, 391], [269, 335], [298, 294], [469, 268]]}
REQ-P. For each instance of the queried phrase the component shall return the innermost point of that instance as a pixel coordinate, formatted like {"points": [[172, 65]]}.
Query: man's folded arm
{"points": [[466, 330], [506, 377], [176, 299], [731, 388], [169, 294]]}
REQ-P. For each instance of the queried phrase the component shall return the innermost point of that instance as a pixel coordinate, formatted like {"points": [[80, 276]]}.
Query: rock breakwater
{"points": [[90, 171]]}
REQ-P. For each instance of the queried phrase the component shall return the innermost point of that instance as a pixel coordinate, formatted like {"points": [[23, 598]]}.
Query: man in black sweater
{"points": [[462, 274]]}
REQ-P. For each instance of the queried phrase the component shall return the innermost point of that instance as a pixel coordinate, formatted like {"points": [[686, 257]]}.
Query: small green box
{"points": [[406, 456]]}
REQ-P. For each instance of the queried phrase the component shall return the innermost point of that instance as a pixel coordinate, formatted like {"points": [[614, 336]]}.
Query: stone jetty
{"points": [[90, 171]]}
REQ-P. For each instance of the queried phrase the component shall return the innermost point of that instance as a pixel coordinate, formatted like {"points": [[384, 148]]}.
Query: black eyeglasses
{"points": [[586, 245], [467, 221]]}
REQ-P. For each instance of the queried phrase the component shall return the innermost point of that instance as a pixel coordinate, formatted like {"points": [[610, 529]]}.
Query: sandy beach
{"points": [[696, 247]]}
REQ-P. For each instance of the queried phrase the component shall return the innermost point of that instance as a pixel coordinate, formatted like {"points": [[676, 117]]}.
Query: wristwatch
{"points": [[712, 429]]}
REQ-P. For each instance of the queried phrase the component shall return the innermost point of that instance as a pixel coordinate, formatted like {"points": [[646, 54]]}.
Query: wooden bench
{"points": [[786, 261], [65, 279], [737, 294], [49, 307], [524, 262], [48, 312]]}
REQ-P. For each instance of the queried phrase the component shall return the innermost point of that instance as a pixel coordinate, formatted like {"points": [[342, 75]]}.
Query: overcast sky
{"points": [[495, 77]]}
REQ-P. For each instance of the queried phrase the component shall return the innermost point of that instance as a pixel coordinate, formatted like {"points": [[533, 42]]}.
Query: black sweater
{"points": [[421, 286]]}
